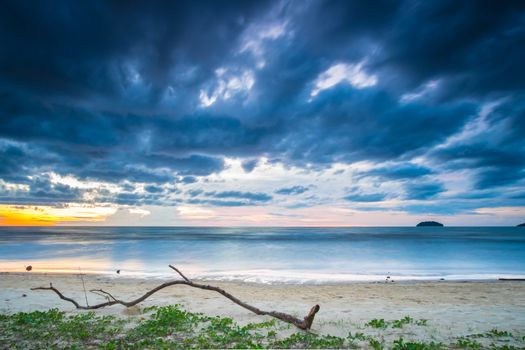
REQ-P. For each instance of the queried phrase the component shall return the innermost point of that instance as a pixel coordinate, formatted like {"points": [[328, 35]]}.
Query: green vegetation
{"points": [[422, 322], [497, 333], [382, 324], [52, 329], [494, 334], [357, 336], [404, 321], [172, 327], [400, 344], [168, 327], [466, 343], [377, 323], [375, 344]]}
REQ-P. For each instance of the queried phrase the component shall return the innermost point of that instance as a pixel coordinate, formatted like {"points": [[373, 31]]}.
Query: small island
{"points": [[429, 223], [521, 225]]}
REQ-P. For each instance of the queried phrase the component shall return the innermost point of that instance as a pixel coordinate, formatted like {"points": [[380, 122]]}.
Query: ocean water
{"points": [[271, 255]]}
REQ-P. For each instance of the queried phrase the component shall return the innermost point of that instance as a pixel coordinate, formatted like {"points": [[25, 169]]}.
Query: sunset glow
{"points": [[11, 215]]}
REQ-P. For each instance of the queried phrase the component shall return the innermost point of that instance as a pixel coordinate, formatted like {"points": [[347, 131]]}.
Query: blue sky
{"points": [[262, 113]]}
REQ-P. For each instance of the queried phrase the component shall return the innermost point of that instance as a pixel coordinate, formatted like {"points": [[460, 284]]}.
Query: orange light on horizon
{"points": [[12, 215]]}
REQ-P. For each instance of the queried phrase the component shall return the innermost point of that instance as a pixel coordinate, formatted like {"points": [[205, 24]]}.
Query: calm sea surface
{"points": [[271, 255]]}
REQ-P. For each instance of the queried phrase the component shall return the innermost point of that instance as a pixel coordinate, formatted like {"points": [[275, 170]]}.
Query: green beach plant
{"points": [[467, 343], [497, 333], [404, 321], [375, 344], [377, 323], [382, 324], [400, 344], [172, 327]]}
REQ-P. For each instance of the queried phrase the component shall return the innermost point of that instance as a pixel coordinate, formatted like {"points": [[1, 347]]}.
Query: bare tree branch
{"points": [[103, 293], [180, 273], [105, 296], [305, 323]]}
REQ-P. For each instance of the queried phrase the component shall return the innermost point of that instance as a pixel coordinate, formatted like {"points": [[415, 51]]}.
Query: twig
{"points": [[105, 296], [83, 285], [305, 323], [180, 273], [103, 293]]}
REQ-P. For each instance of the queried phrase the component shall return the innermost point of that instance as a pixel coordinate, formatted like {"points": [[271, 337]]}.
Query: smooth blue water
{"points": [[290, 255]]}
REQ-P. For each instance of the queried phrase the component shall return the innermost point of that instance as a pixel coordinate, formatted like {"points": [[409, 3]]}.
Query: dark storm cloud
{"points": [[77, 50], [497, 154], [42, 191], [399, 171], [466, 43], [422, 190], [100, 146], [12, 165], [369, 125], [110, 91]]}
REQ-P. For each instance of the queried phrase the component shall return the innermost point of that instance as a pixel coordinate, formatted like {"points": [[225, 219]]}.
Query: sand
{"points": [[453, 309]]}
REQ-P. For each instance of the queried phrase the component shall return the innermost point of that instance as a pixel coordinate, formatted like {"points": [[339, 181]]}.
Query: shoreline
{"points": [[393, 279]]}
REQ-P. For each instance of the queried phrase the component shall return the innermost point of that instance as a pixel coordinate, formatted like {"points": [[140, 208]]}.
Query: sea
{"points": [[271, 255]]}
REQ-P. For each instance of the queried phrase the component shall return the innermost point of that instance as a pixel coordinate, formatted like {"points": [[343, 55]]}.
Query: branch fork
{"points": [[305, 323]]}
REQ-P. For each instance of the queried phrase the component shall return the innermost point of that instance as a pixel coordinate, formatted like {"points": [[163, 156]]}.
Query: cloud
{"points": [[161, 95], [141, 212], [146, 37], [422, 190], [227, 86], [368, 197], [41, 190], [188, 179], [249, 165], [256, 197], [153, 189], [421, 92], [192, 212], [398, 171], [222, 203], [227, 198], [495, 153], [353, 74], [294, 190], [349, 125], [195, 193]]}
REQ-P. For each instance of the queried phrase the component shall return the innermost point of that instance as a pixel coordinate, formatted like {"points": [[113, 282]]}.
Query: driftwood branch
{"points": [[103, 293], [305, 323], [180, 273]]}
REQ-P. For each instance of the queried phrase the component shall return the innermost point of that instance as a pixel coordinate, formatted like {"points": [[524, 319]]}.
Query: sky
{"points": [[271, 113]]}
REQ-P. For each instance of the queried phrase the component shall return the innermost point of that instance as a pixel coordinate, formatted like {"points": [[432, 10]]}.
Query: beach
{"points": [[452, 309]]}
